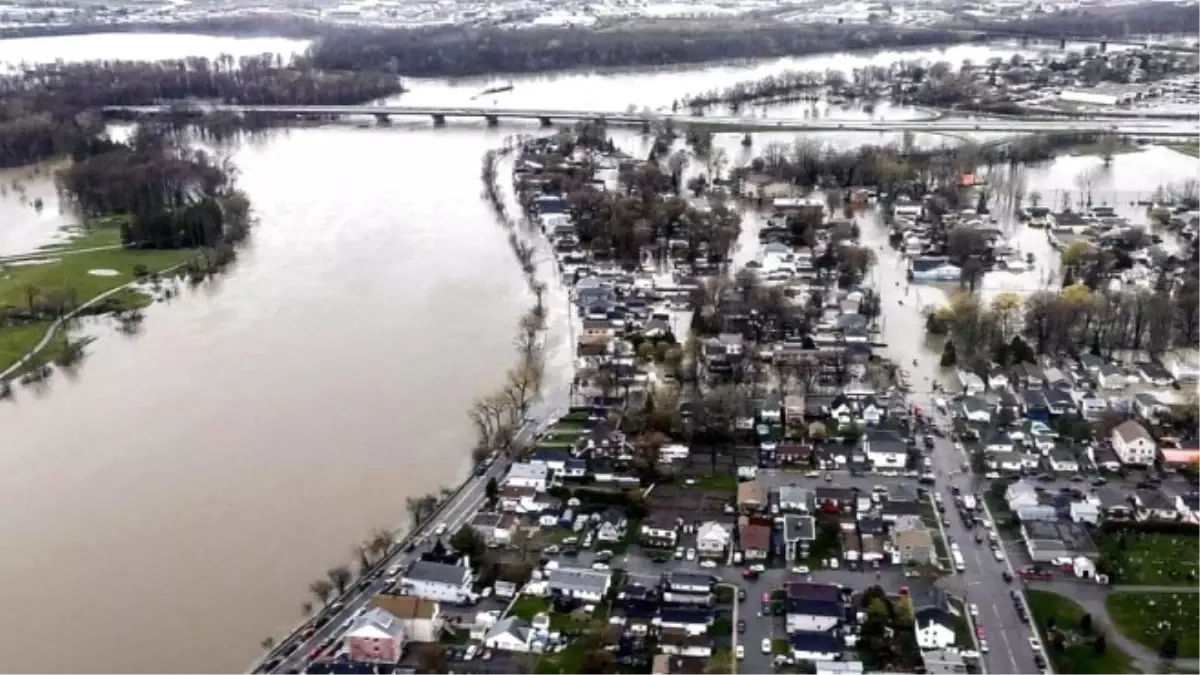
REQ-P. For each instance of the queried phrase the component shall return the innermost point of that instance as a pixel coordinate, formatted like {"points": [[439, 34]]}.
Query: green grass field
{"points": [[1151, 559], [1146, 618]]}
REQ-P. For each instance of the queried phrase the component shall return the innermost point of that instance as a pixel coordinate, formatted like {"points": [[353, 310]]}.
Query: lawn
{"points": [[1147, 618], [1154, 559], [529, 606], [569, 660], [69, 276], [963, 639], [715, 482], [1191, 149], [1078, 655]]}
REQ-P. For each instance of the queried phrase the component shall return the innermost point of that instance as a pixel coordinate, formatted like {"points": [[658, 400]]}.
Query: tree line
{"points": [[50, 109], [457, 50]]}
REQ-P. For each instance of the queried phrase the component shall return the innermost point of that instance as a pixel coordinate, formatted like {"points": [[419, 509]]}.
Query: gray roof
{"points": [[799, 528], [436, 572], [577, 578], [512, 625], [379, 619]]}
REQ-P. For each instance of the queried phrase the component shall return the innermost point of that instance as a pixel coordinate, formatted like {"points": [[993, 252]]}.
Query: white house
{"points": [[1184, 366], [681, 643], [975, 409], [1020, 494], [885, 450], [712, 538], [511, 634], [1085, 512], [1063, 461], [935, 628], [525, 474], [439, 581], [813, 607], [579, 583], [1133, 444]]}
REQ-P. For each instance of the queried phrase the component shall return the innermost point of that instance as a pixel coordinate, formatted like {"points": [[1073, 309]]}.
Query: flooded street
{"points": [[190, 481]]}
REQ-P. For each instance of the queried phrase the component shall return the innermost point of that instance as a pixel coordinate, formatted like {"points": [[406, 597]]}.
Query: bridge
{"points": [[1102, 42], [384, 113]]}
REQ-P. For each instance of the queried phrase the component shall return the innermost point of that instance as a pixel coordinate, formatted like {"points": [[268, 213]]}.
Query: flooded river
{"points": [[178, 494]]}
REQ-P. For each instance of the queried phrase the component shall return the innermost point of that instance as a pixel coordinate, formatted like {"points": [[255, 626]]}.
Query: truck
{"points": [[968, 502], [958, 561]]}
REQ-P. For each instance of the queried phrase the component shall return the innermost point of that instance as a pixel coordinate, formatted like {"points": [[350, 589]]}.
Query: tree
{"points": [[492, 489], [949, 355], [322, 589], [268, 643], [340, 576], [1085, 623], [469, 542], [306, 608], [381, 543], [1100, 644]]}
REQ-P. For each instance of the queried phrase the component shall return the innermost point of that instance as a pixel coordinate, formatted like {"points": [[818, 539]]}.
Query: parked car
{"points": [[766, 646]]}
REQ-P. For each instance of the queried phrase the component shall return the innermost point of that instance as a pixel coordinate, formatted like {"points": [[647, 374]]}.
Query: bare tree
{"points": [[322, 589]]}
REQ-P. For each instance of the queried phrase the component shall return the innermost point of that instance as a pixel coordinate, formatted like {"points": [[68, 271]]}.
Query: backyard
{"points": [[1147, 618], [1055, 615], [1138, 558]]}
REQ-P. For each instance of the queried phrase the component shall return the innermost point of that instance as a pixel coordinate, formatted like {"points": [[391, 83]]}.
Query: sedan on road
{"points": [[766, 646]]}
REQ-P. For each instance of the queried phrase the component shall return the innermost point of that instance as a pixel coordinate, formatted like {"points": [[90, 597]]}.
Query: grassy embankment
{"points": [[1190, 149], [1147, 618], [65, 271], [1053, 613]]}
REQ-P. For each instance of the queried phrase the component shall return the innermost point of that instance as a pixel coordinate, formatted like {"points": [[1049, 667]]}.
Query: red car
{"points": [[749, 574], [979, 632], [1036, 573]]}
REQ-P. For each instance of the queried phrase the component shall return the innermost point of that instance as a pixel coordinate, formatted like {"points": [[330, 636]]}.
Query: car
{"points": [[691, 554], [708, 564], [750, 574], [1007, 577], [980, 633], [766, 646], [812, 474], [1039, 660], [741, 651], [1035, 644], [758, 568], [440, 530], [741, 625], [741, 594], [999, 554], [470, 653], [992, 475], [828, 477], [601, 566], [553, 549], [983, 646], [801, 569], [487, 655], [974, 609], [979, 539], [679, 553]]}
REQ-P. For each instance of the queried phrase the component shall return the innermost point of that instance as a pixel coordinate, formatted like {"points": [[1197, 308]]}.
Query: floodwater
{"points": [[177, 494]]}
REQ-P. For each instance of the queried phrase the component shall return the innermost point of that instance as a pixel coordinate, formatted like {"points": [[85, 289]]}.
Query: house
{"points": [[793, 499], [1113, 505], [684, 582], [1153, 373], [833, 497], [750, 496], [885, 449], [526, 474], [1154, 505], [1148, 407], [1012, 461], [712, 538], [1085, 512], [444, 582], [1020, 494], [1188, 506], [680, 643], [510, 634], [814, 646], [375, 637], [997, 379], [692, 620], [421, 619], [1028, 375], [555, 459], [935, 628], [660, 529], [998, 441], [1110, 377], [1183, 366], [754, 539], [611, 526], [813, 607], [1063, 461], [1133, 444], [799, 532], [579, 583], [975, 409], [913, 546]]}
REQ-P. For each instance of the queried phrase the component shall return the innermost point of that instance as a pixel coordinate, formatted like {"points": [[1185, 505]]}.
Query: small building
{"points": [[510, 634], [1133, 444], [375, 637], [935, 628]]}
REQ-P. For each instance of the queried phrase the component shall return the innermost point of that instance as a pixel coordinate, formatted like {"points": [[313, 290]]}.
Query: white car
{"points": [[741, 652], [1035, 643], [600, 567], [983, 646], [998, 553], [691, 554], [766, 646], [800, 569], [440, 530], [992, 475], [708, 564], [758, 567], [470, 653], [974, 609]]}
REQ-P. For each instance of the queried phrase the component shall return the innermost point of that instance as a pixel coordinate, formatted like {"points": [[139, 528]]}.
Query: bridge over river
{"points": [[1158, 128]]}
